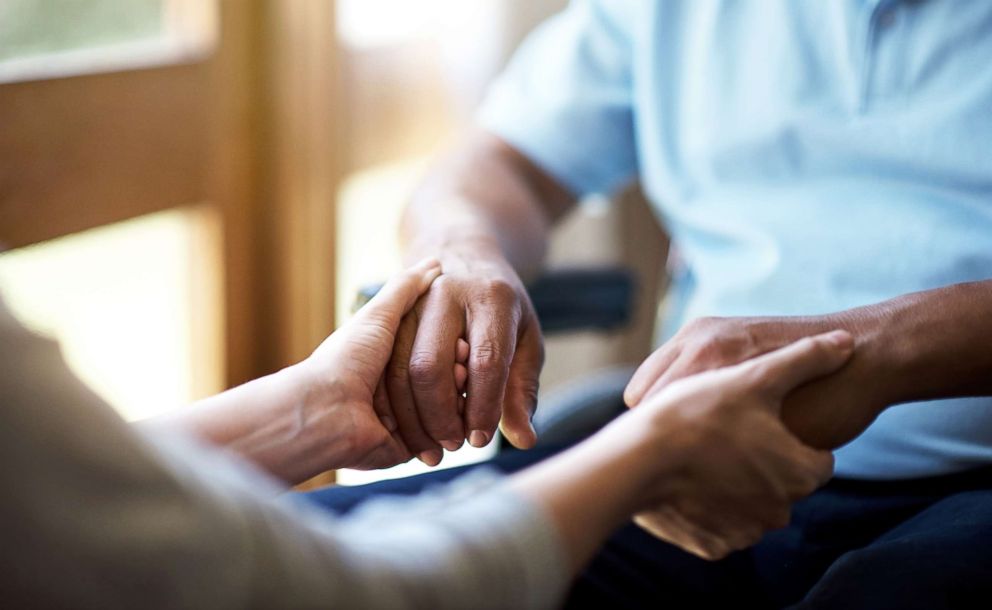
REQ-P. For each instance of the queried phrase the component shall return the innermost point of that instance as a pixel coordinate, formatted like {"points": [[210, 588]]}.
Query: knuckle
{"points": [[713, 350], [446, 287], [499, 290], [443, 284], [425, 367], [486, 358]]}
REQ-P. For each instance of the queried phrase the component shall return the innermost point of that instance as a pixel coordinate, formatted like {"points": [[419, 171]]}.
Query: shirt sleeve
{"points": [[565, 99], [95, 514]]}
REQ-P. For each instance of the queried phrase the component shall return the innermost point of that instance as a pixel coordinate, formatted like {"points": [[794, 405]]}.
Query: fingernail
{"points": [[431, 457], [388, 422], [478, 438], [840, 338], [452, 445]]}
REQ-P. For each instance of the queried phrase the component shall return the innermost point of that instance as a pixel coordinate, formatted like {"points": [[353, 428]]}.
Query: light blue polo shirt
{"points": [[806, 156]]}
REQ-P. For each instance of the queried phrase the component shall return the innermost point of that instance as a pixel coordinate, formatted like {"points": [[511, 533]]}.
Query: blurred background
{"points": [[192, 191]]}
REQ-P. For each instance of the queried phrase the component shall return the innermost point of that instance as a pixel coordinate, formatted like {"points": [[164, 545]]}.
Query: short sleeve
{"points": [[565, 99]]}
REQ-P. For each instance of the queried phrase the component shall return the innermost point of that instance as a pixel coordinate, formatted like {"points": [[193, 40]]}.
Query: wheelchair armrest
{"points": [[571, 299]]}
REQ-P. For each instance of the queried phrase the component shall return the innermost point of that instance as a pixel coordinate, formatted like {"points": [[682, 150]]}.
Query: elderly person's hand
{"points": [[480, 299], [705, 464], [346, 370], [739, 469]]}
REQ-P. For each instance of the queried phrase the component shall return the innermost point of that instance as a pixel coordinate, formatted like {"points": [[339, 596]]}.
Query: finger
{"points": [[492, 338], [672, 527], [804, 360], [380, 403], [432, 370], [802, 469], [398, 296], [648, 373], [390, 453], [401, 397], [373, 327], [461, 373], [522, 388], [818, 466], [678, 369]]}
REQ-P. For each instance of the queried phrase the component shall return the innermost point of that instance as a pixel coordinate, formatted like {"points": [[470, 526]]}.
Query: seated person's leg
{"points": [[939, 557], [850, 542], [342, 499]]}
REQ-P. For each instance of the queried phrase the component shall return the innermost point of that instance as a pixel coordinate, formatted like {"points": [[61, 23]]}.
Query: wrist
{"points": [[879, 353], [883, 351], [643, 454], [462, 232], [303, 420]]}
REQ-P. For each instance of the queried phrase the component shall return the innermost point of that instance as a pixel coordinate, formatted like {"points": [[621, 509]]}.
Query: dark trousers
{"points": [[923, 543]]}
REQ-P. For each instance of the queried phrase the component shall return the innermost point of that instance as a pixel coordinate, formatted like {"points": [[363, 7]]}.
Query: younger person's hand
{"points": [[322, 413], [343, 373], [825, 413], [737, 469]]}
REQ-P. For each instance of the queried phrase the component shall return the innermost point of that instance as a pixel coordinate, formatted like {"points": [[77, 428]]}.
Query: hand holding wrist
{"points": [[726, 445], [825, 413]]}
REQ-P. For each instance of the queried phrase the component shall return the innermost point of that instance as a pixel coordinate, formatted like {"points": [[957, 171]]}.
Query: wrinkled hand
{"points": [[738, 469], [479, 312], [825, 413], [344, 371]]}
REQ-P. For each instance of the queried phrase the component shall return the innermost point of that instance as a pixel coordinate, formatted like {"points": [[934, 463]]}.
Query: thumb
{"points": [[804, 360], [395, 299]]}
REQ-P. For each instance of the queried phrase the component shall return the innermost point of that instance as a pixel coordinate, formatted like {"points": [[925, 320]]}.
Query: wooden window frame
{"points": [[246, 128]]}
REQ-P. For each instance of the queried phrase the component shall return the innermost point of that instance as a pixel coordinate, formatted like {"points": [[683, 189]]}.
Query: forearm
{"points": [[920, 346], [265, 421], [934, 344], [593, 488], [484, 195]]}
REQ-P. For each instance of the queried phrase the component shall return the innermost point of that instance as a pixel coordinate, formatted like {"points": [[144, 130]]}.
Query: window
{"points": [[132, 305]]}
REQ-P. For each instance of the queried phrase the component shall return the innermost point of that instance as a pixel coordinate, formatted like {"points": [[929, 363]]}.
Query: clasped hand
{"points": [[724, 467]]}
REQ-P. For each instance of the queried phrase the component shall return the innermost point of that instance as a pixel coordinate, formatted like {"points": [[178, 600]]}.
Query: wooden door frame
{"points": [[247, 128]]}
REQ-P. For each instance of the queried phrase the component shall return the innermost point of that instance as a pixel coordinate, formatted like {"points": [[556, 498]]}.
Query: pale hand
{"points": [[737, 468], [342, 375]]}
